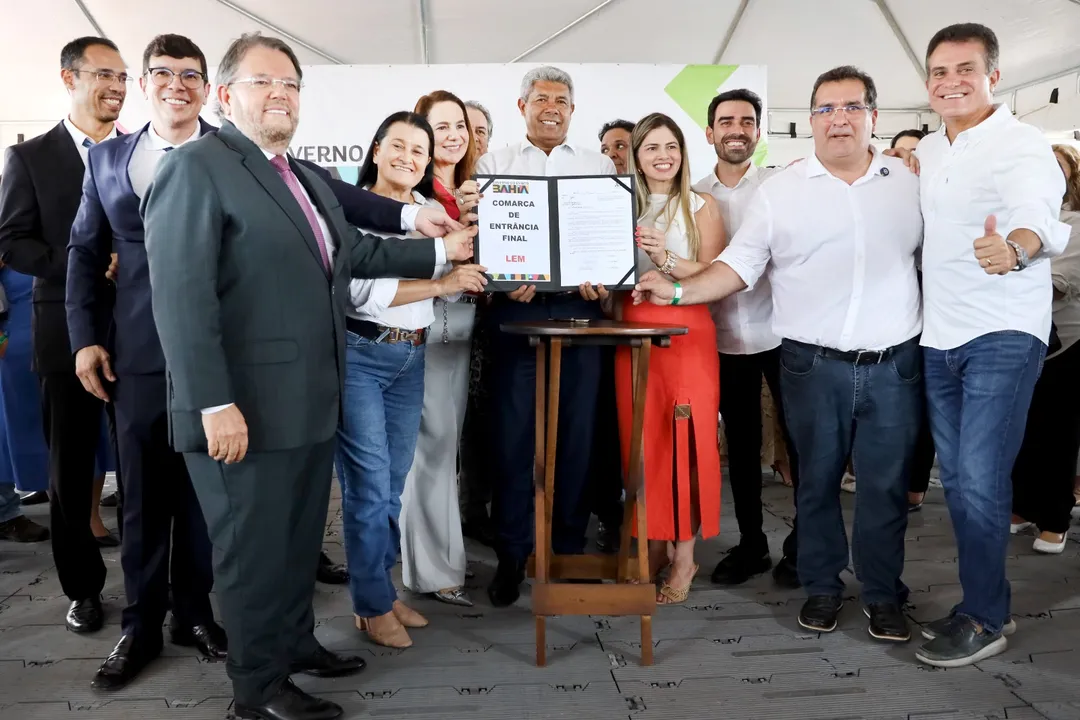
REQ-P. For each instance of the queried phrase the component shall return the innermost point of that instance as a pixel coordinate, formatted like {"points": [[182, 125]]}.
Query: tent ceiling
{"points": [[796, 39]]}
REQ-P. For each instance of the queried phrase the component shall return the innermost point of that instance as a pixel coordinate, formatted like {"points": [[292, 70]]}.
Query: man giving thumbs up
{"points": [[991, 191]]}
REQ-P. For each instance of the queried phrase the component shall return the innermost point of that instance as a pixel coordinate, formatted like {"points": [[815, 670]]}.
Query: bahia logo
{"points": [[512, 188]]}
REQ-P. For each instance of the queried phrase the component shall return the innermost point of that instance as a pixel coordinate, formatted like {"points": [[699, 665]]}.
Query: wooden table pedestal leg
{"points": [[635, 484], [544, 472]]}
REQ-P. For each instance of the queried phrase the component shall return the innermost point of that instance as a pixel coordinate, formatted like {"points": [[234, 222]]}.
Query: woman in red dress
{"points": [[679, 233]]}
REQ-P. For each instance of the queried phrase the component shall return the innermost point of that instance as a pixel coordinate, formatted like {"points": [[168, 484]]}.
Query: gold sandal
{"points": [[676, 596]]}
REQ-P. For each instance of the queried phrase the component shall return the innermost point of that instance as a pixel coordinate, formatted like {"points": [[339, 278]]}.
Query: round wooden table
{"points": [[632, 593]]}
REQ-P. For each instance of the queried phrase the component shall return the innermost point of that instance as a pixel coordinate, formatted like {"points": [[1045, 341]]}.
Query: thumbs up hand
{"points": [[995, 256]]}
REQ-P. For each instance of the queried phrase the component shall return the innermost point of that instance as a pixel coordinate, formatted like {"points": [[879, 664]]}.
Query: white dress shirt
{"points": [[79, 137], [1000, 167], [370, 298], [527, 159], [149, 149], [743, 320], [841, 257]]}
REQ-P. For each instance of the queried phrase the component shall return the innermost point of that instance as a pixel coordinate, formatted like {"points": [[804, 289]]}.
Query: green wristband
{"points": [[678, 294]]}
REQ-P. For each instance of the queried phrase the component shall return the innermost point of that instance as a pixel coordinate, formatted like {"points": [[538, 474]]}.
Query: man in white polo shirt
{"points": [[749, 350], [839, 234], [991, 192]]}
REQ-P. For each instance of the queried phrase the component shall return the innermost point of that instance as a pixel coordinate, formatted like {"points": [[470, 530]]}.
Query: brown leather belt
{"points": [[384, 334]]}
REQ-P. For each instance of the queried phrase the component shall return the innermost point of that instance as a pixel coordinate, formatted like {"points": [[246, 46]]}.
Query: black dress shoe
{"points": [[505, 587], [85, 616], [35, 498], [786, 574], [125, 662], [819, 612], [327, 664], [329, 573], [741, 564], [109, 500], [290, 703], [23, 530], [108, 540], [607, 538], [209, 639], [887, 622]]}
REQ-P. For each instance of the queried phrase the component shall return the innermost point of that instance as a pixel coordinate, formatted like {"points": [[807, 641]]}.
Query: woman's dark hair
{"points": [[369, 172], [917, 134], [464, 169]]}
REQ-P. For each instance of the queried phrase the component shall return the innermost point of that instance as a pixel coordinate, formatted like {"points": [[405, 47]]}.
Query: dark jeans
{"points": [[923, 461], [979, 394], [513, 434], [740, 406], [836, 409], [606, 472], [1043, 475]]}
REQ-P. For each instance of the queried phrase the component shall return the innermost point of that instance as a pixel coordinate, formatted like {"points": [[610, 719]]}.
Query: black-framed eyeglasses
{"points": [[107, 77], [850, 110], [163, 77]]}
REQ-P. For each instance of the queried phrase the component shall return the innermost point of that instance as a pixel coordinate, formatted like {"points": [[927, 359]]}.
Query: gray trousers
{"points": [[432, 548]]}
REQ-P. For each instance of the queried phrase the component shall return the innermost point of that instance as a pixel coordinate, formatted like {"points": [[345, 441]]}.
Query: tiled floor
{"points": [[727, 653]]}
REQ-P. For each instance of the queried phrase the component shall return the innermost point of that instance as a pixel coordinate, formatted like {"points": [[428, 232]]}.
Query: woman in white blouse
{"points": [[1044, 472], [387, 326]]}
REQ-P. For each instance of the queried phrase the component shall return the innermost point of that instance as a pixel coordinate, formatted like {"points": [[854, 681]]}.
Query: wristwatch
{"points": [[1022, 260]]}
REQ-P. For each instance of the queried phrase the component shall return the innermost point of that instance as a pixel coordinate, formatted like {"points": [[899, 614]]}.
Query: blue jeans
{"points": [[979, 394], [10, 504], [837, 409], [384, 395]]}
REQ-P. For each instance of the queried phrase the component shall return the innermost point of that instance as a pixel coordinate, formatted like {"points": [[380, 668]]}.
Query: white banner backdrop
{"points": [[342, 106]]}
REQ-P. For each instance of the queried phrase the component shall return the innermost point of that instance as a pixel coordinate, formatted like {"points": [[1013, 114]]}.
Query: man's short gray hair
{"points": [[545, 73], [238, 49], [487, 116]]}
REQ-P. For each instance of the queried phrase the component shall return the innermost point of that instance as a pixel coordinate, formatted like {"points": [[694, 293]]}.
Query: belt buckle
{"points": [[859, 356]]}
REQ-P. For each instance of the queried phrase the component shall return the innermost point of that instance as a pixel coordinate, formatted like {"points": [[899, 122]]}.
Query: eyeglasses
{"points": [[107, 77], [263, 84], [163, 77], [849, 110]]}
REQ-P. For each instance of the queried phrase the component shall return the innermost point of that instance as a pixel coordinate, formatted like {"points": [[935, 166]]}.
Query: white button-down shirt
{"points": [[841, 257], [1000, 167], [149, 150], [743, 320], [78, 137], [527, 159], [370, 298]]}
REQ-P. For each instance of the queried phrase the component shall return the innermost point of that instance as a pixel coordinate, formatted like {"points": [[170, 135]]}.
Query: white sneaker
{"points": [[1015, 528], [847, 484], [1050, 548], [1076, 511]]}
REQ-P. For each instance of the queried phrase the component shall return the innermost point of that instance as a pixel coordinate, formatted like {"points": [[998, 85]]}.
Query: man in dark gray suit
{"points": [[250, 258]]}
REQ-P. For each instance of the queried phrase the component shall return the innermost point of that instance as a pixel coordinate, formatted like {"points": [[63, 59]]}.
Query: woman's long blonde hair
{"points": [[1072, 184], [680, 197]]}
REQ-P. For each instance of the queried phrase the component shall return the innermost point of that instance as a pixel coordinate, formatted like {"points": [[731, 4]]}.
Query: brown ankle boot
{"points": [[409, 617], [385, 630]]}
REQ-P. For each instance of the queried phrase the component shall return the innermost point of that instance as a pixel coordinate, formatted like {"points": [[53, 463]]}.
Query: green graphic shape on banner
{"points": [[695, 86]]}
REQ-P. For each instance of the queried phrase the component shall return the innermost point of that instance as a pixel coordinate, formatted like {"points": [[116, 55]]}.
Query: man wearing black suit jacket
{"points": [[39, 199], [250, 258]]}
